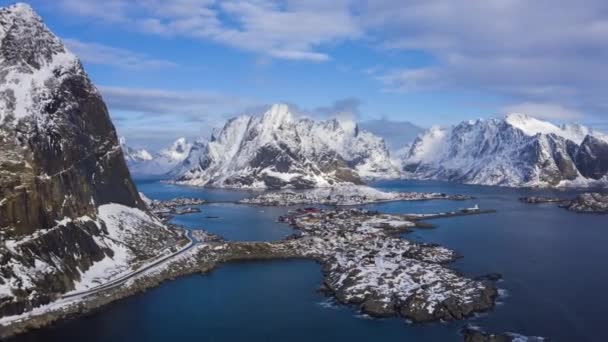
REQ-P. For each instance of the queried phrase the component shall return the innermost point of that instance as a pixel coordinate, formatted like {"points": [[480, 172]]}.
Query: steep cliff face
{"points": [[592, 158], [277, 150], [57, 133], [60, 161]]}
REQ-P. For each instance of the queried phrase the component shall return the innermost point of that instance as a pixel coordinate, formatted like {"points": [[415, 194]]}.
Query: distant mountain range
{"points": [[277, 150], [162, 162], [515, 151]]}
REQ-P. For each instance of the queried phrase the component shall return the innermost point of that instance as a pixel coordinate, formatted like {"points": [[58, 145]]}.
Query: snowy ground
{"points": [[367, 265]]}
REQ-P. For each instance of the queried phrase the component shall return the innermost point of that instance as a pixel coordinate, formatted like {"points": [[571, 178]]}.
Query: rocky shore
{"points": [[475, 334], [541, 199], [588, 203], [343, 195], [595, 203]]}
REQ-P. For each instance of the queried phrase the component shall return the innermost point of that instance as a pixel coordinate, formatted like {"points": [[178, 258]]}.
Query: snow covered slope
{"points": [[515, 151], [69, 213], [276, 150], [142, 162]]}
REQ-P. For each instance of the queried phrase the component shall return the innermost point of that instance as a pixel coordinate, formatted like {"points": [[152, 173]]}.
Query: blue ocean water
{"points": [[553, 262]]}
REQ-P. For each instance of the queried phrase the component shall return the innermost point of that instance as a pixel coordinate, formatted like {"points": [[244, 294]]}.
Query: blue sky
{"points": [[179, 68]]}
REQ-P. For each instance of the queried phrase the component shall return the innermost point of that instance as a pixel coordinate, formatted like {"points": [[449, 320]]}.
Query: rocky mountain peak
{"points": [[33, 63], [178, 150], [518, 150], [277, 150]]}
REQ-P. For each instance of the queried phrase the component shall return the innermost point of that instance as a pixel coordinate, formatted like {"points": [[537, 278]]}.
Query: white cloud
{"points": [[528, 51], [180, 105], [410, 79], [292, 30], [545, 111], [96, 53], [543, 51]]}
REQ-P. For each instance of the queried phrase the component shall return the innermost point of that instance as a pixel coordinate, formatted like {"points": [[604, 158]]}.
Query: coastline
{"points": [[203, 258]]}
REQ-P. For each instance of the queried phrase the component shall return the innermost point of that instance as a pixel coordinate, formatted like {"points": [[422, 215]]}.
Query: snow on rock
{"points": [[532, 126], [143, 162], [123, 236], [365, 263], [515, 151], [33, 63], [277, 150]]}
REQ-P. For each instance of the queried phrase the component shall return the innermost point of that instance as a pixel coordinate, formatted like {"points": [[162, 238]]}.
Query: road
{"points": [[120, 281]]}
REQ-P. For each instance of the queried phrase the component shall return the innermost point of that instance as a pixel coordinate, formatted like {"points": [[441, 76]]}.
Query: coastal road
{"points": [[120, 281]]}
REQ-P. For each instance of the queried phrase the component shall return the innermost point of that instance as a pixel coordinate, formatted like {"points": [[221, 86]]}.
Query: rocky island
{"points": [[475, 334], [342, 195], [594, 203], [588, 203], [367, 264], [166, 210]]}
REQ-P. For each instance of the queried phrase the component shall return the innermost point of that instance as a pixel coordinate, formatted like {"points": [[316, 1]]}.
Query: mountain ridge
{"points": [[277, 150], [518, 151]]}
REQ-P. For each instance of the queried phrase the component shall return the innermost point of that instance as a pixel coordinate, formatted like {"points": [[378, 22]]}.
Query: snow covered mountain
{"points": [[276, 150], [142, 162], [70, 215], [515, 151]]}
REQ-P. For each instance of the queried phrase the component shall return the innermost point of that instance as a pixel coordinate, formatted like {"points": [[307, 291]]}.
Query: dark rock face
{"points": [[64, 159], [592, 158], [59, 158]]}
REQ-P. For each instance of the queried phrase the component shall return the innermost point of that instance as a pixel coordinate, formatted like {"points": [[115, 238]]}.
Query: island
{"points": [[591, 202], [343, 195]]}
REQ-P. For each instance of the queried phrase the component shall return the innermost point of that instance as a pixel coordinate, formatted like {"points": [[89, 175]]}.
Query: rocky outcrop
{"points": [[588, 203], [475, 334], [593, 203], [541, 199]]}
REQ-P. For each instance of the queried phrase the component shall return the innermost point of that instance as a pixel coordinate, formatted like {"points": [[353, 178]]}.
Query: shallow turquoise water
{"points": [[553, 262]]}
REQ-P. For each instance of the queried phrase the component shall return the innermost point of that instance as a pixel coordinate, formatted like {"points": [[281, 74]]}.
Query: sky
{"points": [[180, 68]]}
